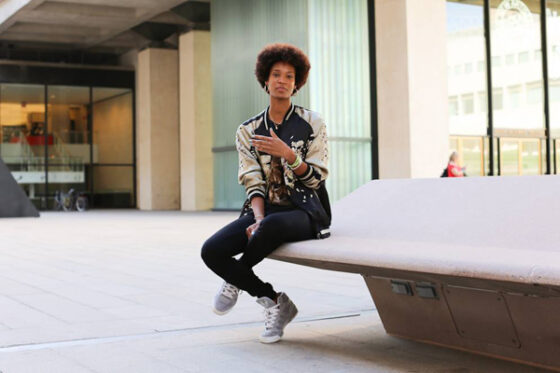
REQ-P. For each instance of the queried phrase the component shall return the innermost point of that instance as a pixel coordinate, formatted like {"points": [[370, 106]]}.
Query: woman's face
{"points": [[281, 80]]}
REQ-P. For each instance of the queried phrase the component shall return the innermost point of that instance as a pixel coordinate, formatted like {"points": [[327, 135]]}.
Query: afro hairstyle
{"points": [[281, 52]]}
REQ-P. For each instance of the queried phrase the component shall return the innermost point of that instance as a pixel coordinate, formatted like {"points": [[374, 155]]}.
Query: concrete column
{"points": [[412, 87], [195, 98], [157, 146]]}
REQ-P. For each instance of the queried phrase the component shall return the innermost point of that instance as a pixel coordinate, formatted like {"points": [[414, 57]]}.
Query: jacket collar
{"points": [[286, 117]]}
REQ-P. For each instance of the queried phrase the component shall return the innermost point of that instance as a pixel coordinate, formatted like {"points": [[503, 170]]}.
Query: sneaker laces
{"points": [[230, 291], [270, 316]]}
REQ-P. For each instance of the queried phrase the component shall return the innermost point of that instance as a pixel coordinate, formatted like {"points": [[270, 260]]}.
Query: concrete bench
{"points": [[470, 263]]}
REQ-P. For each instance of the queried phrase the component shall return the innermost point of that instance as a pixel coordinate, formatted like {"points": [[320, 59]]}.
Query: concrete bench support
{"points": [[471, 264], [500, 319]]}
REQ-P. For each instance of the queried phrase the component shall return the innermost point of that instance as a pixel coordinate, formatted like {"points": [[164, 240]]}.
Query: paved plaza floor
{"points": [[126, 291]]}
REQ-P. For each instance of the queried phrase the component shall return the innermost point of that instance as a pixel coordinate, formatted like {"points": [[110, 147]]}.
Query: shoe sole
{"points": [[220, 313], [268, 340]]}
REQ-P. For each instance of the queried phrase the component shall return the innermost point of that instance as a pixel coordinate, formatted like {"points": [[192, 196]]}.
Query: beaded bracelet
{"points": [[296, 163]]}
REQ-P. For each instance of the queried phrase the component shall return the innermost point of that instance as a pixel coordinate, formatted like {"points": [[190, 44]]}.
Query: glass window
{"points": [[496, 61], [509, 157], [480, 66], [514, 96], [113, 186], [453, 106], [69, 153], [510, 59], [538, 55], [482, 102], [458, 69], [471, 155], [466, 51], [467, 103], [557, 156], [554, 91], [497, 99], [534, 93], [521, 156], [530, 157], [23, 135], [470, 150], [553, 34], [112, 125], [515, 30]]}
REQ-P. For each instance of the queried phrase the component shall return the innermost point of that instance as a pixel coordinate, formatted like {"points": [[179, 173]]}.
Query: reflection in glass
{"points": [[466, 49], [515, 31], [112, 125], [113, 186], [553, 49], [471, 154], [521, 156], [509, 157], [557, 156], [22, 133], [69, 152], [531, 157]]}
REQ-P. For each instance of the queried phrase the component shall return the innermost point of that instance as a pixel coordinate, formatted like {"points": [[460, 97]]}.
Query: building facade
{"points": [[136, 103]]}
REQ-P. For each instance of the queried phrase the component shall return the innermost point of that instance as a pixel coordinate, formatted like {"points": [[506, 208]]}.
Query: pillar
{"points": [[157, 137], [195, 98], [411, 53]]}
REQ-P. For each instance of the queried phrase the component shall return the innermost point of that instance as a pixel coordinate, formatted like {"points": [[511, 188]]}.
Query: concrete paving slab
{"points": [[126, 291]]}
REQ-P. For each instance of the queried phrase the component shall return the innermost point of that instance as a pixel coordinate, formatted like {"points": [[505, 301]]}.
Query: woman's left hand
{"points": [[273, 145]]}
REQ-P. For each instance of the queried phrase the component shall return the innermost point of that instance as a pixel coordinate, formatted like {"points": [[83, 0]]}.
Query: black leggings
{"points": [[280, 225]]}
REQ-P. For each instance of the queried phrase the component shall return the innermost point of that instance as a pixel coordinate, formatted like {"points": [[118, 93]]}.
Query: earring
{"points": [[266, 88], [295, 91]]}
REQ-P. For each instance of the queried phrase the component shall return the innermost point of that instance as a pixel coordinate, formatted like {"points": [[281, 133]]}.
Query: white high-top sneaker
{"points": [[226, 298], [276, 317]]}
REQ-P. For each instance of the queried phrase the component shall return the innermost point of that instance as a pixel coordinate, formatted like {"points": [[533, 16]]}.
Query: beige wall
{"points": [[112, 129], [158, 130], [197, 187], [14, 114], [112, 136], [412, 87], [59, 119], [111, 179]]}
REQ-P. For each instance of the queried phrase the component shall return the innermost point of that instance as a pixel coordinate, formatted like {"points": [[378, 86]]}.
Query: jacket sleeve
{"points": [[250, 172], [317, 156]]}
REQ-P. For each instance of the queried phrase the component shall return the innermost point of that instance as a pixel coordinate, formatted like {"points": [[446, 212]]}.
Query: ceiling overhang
{"points": [[96, 26]]}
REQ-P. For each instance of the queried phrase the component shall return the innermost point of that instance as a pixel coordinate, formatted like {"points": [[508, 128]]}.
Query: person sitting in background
{"points": [[453, 168]]}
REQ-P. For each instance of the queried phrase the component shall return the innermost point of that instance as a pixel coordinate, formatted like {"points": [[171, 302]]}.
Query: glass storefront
{"points": [[113, 167], [61, 137], [553, 49], [466, 65], [68, 159], [24, 138], [517, 119]]}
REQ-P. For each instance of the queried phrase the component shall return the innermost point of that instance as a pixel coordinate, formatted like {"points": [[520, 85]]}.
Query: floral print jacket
{"points": [[305, 132]]}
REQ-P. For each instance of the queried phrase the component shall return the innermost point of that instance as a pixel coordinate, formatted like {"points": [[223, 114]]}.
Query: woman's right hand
{"points": [[252, 229]]}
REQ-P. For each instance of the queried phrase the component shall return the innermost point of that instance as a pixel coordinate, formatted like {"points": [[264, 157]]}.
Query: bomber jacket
{"points": [[305, 132]]}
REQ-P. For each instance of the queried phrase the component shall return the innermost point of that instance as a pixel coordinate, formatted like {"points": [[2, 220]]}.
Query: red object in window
{"points": [[40, 140]]}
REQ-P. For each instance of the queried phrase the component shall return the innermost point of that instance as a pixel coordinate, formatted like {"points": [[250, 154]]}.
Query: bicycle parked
{"points": [[71, 201]]}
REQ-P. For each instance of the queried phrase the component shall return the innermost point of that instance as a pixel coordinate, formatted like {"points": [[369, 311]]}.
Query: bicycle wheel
{"points": [[81, 204]]}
